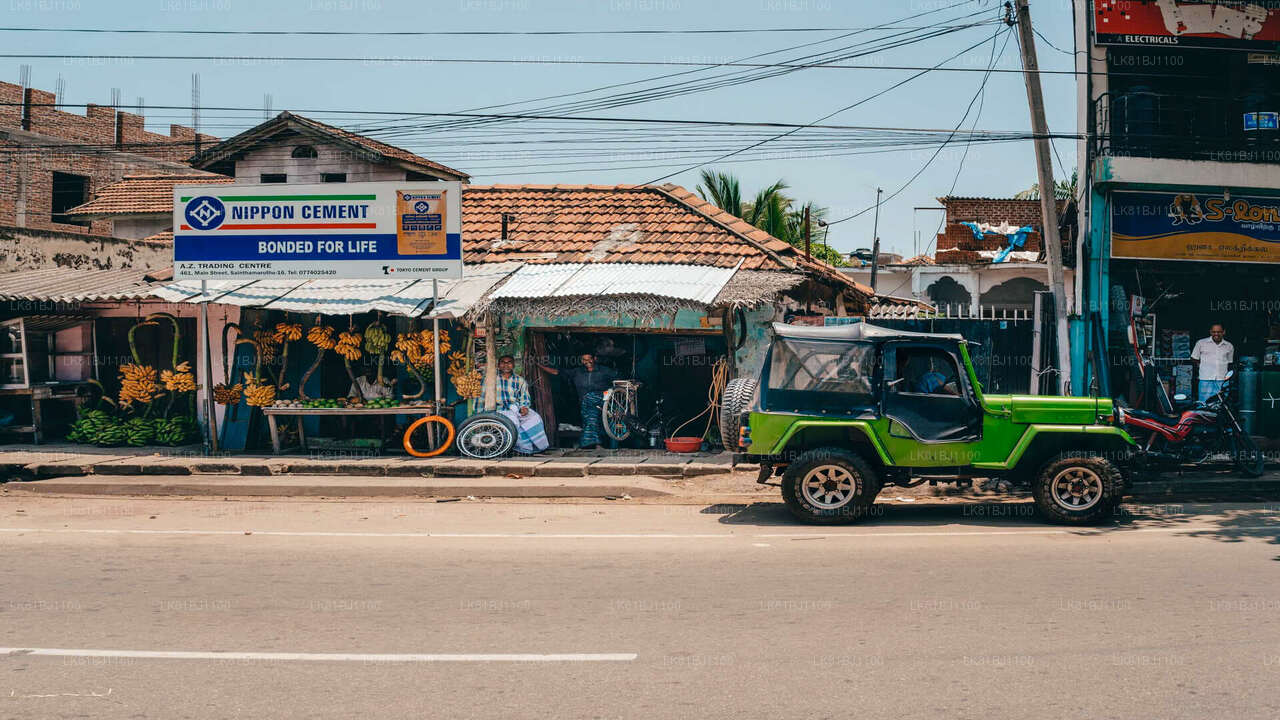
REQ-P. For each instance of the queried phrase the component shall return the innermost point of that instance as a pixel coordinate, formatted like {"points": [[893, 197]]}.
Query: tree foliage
{"points": [[771, 210]]}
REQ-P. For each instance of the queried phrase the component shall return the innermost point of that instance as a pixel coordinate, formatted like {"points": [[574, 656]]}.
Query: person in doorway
{"points": [[589, 381], [514, 403], [1214, 356]]}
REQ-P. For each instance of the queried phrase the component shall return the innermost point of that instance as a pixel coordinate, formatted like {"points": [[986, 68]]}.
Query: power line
{"points": [[829, 115], [439, 33]]}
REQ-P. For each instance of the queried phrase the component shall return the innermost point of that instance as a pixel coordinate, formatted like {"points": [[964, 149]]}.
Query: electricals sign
{"points": [[1247, 25], [353, 230], [1190, 226]]}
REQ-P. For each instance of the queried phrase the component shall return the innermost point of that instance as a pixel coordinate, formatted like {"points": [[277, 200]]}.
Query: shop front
{"points": [[1177, 262]]}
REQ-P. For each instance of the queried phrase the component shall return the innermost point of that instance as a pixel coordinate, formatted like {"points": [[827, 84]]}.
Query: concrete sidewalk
{"points": [[47, 461]]}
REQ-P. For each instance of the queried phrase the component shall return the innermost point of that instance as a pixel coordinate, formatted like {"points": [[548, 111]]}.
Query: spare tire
{"points": [[486, 435], [737, 394]]}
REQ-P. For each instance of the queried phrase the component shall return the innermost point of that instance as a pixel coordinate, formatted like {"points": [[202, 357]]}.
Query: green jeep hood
{"points": [[1050, 409]]}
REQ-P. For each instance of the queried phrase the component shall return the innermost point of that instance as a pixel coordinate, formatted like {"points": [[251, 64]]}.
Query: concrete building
{"points": [[1180, 165]]}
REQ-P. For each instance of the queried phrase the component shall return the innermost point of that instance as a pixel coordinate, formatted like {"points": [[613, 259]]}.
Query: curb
{"points": [[194, 488]]}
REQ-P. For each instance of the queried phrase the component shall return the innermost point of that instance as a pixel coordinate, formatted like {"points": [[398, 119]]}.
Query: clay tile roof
{"points": [[918, 260], [622, 223], [142, 194], [289, 121]]}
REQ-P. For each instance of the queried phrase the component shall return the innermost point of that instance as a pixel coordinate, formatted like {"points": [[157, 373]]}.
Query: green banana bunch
{"points": [[376, 339], [112, 435], [140, 431]]}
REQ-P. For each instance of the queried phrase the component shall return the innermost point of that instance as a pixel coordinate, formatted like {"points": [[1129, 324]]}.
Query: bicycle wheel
{"points": [[428, 436], [614, 414], [485, 436]]}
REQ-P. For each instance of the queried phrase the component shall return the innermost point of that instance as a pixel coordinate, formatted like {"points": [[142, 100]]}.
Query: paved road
{"points": [[524, 610]]}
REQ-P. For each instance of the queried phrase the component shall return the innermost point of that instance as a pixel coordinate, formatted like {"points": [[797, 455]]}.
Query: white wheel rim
{"points": [[1076, 488], [483, 439], [829, 487], [613, 411]]}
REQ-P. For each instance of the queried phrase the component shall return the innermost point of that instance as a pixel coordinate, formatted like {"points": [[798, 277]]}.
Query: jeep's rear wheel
{"points": [[1078, 488], [829, 486]]}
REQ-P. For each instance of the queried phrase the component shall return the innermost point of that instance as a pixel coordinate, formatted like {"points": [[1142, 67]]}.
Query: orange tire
{"points": [[408, 433]]}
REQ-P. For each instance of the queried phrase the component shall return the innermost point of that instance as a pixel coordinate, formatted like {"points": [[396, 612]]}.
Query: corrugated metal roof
{"points": [[68, 285], [411, 298], [698, 283]]}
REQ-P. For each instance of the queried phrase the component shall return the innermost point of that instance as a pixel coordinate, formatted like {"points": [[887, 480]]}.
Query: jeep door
{"points": [[927, 395]]}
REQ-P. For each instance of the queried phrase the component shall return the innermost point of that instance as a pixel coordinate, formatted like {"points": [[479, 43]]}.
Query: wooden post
{"points": [[490, 365]]}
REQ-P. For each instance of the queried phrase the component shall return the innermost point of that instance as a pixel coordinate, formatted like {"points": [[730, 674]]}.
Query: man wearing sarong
{"points": [[590, 381], [513, 403]]}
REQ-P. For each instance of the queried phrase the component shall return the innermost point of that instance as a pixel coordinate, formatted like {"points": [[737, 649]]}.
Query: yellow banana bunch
{"points": [[137, 383], [257, 393], [348, 345], [287, 332], [224, 394], [267, 345], [180, 379], [321, 336], [469, 384]]}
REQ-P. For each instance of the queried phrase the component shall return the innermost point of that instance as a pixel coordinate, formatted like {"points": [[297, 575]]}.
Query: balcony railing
{"points": [[1181, 127]]}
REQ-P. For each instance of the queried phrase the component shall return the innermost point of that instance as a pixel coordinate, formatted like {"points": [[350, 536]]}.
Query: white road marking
{"points": [[322, 657], [1083, 531]]}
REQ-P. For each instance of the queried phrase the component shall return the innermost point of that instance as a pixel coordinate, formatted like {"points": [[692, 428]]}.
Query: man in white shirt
{"points": [[1214, 355]]}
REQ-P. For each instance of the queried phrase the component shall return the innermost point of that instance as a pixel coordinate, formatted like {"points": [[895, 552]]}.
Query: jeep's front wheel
{"points": [[829, 486], [1078, 488]]}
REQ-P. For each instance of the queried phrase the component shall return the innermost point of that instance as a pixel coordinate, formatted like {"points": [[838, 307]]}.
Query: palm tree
{"points": [[772, 210], [1062, 189], [721, 190]]}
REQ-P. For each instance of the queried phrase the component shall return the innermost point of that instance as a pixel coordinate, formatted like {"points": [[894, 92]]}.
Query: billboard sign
{"points": [[1246, 25], [353, 230], [1190, 226]]}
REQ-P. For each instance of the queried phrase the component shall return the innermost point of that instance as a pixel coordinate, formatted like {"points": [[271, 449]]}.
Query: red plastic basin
{"points": [[683, 444]]}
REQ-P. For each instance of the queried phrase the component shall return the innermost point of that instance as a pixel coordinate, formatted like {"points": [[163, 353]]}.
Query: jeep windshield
{"points": [[819, 376]]}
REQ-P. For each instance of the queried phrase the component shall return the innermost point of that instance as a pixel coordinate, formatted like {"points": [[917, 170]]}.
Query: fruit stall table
{"points": [[274, 411]]}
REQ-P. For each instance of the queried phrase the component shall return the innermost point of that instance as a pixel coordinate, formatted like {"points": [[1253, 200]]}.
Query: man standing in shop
{"points": [[589, 381], [1214, 355]]}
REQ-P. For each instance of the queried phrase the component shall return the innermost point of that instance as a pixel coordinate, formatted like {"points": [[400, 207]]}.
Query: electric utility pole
{"points": [[875, 241], [1048, 196]]}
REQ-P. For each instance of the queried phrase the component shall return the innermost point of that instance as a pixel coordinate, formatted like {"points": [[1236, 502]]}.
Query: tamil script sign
{"points": [[352, 230], [1189, 226], [1251, 24]]}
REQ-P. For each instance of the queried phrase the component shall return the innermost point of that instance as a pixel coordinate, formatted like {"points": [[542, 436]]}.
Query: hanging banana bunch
{"points": [[376, 341], [285, 333], [224, 394], [177, 381], [348, 347], [322, 337], [410, 353], [137, 384]]}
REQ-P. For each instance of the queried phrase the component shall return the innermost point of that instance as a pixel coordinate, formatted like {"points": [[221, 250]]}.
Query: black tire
{"points": [[737, 393], [1245, 455], [1078, 488], [839, 506], [486, 436]]}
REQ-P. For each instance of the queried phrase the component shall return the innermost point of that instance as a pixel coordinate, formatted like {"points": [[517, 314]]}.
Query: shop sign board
{"points": [[1190, 226], [375, 230], [1240, 24]]}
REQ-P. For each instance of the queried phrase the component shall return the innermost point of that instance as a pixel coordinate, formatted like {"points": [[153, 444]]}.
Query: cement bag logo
{"points": [[205, 213], [422, 206]]}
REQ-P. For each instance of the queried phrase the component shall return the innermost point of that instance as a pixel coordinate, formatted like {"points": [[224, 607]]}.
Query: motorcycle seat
{"points": [[1157, 417]]}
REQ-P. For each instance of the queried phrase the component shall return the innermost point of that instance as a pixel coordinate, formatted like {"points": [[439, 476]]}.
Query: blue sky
{"points": [[844, 183]]}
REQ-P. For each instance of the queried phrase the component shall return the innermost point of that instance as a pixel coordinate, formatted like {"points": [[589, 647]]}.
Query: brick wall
{"points": [[957, 244], [102, 145]]}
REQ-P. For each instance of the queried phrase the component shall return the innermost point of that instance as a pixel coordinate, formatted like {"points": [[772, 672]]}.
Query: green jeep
{"points": [[840, 412]]}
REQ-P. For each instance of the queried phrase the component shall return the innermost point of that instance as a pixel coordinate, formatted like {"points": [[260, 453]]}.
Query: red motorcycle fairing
{"points": [[1176, 432]]}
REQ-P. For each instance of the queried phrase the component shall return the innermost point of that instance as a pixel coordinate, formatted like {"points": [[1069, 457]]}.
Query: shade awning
{"points": [[694, 283], [411, 298]]}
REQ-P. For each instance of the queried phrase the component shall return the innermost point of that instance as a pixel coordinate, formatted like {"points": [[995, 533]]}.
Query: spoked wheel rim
{"points": [[484, 439], [613, 414], [829, 487], [1077, 488]]}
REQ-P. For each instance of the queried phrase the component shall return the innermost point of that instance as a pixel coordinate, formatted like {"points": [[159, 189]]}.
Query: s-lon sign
{"points": [[305, 232], [1251, 25], [1191, 226]]}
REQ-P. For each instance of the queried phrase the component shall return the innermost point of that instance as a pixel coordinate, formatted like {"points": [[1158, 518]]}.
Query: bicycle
{"points": [[620, 414]]}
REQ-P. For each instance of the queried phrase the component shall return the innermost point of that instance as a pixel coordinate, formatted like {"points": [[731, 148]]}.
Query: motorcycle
{"points": [[1198, 435]]}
